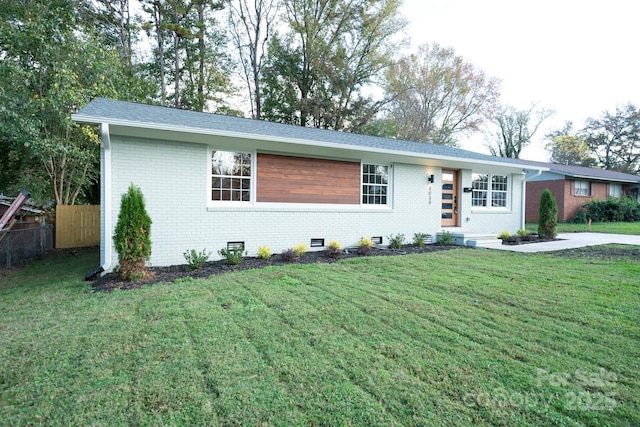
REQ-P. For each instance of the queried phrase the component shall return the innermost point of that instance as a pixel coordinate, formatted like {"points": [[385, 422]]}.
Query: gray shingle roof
{"points": [[584, 172], [108, 111]]}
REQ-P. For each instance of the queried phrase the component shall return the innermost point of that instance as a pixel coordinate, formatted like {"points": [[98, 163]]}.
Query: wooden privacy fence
{"points": [[77, 226]]}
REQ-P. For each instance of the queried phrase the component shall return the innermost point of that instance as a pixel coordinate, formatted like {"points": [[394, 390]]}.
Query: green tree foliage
{"points": [[111, 21], [316, 69], [49, 69], [436, 95], [569, 148], [547, 215], [516, 129], [132, 236], [190, 65], [614, 138]]}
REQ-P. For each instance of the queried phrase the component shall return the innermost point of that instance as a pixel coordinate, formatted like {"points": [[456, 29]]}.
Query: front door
{"points": [[449, 198]]}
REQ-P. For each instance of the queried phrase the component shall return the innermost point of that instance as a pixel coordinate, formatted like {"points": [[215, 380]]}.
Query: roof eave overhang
{"points": [[296, 141], [594, 178]]}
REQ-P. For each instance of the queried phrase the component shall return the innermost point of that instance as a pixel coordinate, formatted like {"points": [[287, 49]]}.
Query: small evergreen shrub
{"points": [[365, 245], [196, 260], [396, 242], [446, 238], [522, 232], [580, 218], [264, 252], [547, 216], [334, 249], [420, 239], [300, 249], [132, 236], [233, 255]]}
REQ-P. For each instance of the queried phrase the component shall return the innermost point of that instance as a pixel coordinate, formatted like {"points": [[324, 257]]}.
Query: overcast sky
{"points": [[579, 58]]}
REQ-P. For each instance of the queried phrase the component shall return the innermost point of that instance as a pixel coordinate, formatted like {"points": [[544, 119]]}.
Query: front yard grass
{"points": [[596, 227], [460, 337]]}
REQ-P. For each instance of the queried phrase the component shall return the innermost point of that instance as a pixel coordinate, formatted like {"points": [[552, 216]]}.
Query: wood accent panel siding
{"points": [[286, 179]]}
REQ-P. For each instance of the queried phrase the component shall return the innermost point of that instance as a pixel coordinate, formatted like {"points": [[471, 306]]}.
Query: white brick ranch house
{"points": [[212, 180]]}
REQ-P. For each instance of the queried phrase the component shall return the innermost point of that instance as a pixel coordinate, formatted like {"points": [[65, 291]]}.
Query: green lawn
{"points": [[458, 337], [596, 227]]}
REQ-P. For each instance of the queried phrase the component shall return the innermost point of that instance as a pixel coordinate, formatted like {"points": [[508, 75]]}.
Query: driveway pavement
{"points": [[569, 241]]}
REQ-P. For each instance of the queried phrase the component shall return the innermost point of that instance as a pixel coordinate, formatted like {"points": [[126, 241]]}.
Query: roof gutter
{"points": [[524, 195], [106, 196], [595, 178]]}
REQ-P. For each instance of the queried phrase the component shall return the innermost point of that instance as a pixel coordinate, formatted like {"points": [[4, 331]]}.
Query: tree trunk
{"points": [[125, 31], [161, 64], [176, 46], [201, 59]]}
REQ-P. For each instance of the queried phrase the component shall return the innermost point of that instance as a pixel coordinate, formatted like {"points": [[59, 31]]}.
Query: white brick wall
{"points": [[477, 220], [173, 177]]}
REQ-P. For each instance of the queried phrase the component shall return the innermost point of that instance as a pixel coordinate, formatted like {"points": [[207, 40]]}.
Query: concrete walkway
{"points": [[569, 241]]}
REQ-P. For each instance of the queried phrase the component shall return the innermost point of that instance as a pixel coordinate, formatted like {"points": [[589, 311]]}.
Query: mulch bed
{"points": [[109, 281], [519, 241]]}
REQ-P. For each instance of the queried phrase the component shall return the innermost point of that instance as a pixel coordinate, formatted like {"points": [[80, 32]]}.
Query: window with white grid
{"points": [[489, 191], [480, 189], [499, 191], [230, 176], [375, 184]]}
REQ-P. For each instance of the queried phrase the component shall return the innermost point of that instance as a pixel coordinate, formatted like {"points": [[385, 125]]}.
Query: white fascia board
{"points": [[594, 178], [296, 141]]}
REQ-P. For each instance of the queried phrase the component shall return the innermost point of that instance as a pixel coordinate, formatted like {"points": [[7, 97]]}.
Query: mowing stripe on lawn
{"points": [[337, 308], [350, 295], [323, 392], [362, 358], [242, 385], [491, 320]]}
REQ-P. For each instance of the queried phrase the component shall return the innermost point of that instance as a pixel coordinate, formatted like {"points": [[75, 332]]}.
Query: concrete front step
{"points": [[483, 243]]}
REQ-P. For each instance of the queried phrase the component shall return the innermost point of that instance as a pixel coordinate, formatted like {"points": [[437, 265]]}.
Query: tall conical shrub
{"points": [[133, 235], [547, 215]]}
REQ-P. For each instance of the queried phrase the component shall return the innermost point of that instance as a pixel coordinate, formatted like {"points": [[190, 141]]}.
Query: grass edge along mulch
{"points": [[169, 274]]}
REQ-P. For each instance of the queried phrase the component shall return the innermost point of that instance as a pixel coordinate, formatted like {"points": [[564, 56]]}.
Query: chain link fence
{"points": [[19, 246]]}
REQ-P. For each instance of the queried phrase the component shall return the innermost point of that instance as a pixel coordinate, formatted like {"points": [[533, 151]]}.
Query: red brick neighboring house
{"points": [[573, 186]]}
